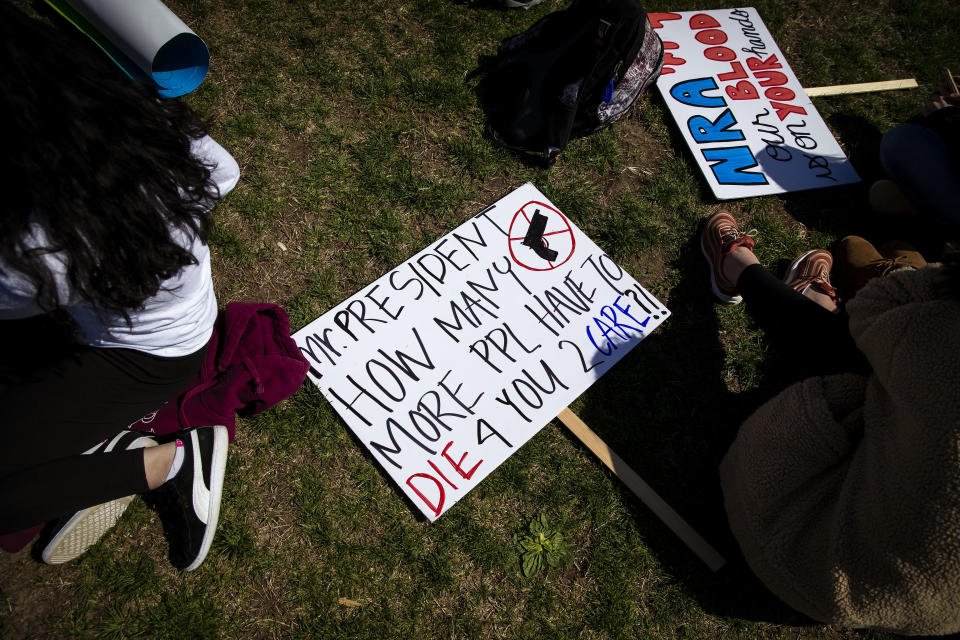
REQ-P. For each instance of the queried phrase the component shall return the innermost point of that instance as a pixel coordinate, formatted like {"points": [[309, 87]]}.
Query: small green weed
{"points": [[542, 548]]}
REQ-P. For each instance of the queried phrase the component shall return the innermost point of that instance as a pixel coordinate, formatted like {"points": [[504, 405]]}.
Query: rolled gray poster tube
{"points": [[148, 35]]}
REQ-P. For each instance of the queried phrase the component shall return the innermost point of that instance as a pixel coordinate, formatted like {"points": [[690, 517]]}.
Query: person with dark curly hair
{"points": [[106, 296]]}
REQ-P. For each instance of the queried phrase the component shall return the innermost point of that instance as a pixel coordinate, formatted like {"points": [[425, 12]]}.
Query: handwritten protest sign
{"points": [[741, 109], [447, 364]]}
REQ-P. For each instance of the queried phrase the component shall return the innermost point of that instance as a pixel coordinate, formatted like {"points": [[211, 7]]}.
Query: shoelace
{"points": [[820, 282], [730, 234], [884, 266]]}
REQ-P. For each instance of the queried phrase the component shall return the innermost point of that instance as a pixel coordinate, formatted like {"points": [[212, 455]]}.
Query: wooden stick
{"points": [[951, 83], [641, 489], [863, 87]]}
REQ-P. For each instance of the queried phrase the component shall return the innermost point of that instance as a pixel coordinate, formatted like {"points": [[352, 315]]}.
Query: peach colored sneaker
{"points": [[721, 236], [812, 271]]}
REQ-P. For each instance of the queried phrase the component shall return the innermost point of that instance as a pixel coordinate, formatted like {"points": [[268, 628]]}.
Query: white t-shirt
{"points": [[177, 321]]}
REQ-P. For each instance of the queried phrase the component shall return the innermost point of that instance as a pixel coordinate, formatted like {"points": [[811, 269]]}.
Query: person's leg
{"points": [[157, 462], [54, 416], [73, 533], [816, 339], [733, 260], [805, 328], [917, 161], [741, 258]]}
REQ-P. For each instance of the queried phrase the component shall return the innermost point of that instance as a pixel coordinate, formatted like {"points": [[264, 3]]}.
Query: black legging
{"points": [[816, 341], [57, 405]]}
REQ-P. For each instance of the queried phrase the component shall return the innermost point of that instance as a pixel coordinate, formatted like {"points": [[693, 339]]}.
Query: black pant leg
{"points": [[55, 414], [815, 341]]}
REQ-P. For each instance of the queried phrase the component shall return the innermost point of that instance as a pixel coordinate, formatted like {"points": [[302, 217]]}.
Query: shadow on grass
{"points": [[844, 209], [861, 140], [676, 421]]}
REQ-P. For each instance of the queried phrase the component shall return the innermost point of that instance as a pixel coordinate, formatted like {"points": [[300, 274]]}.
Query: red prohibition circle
{"points": [[558, 232]]}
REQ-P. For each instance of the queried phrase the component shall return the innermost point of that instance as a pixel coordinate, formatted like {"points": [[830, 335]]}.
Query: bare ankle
{"points": [[735, 262], [821, 299], [157, 462]]}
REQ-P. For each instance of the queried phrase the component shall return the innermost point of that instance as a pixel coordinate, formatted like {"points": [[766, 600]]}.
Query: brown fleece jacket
{"points": [[844, 491]]}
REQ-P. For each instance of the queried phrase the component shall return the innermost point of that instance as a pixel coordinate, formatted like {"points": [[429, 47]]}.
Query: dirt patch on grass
{"points": [[35, 594], [642, 151]]}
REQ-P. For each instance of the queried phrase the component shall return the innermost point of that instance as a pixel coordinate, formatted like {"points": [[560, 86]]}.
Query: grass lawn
{"points": [[360, 140]]}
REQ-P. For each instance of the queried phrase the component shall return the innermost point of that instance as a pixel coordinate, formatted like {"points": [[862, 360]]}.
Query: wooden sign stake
{"points": [[863, 87], [641, 489], [948, 76]]}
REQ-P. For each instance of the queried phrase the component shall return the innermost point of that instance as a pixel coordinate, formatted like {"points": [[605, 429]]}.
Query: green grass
{"points": [[357, 129]]}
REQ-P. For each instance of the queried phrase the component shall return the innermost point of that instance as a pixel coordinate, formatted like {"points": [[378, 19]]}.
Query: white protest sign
{"points": [[741, 109], [447, 364]]}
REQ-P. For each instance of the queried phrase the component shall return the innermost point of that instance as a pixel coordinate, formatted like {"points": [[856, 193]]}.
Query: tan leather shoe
{"points": [[856, 262], [903, 254]]}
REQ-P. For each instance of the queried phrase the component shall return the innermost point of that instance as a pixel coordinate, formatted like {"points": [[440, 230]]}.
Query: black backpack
{"points": [[570, 74]]}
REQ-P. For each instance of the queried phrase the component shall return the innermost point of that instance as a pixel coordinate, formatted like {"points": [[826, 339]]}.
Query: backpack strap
{"points": [[606, 21], [562, 114], [559, 126]]}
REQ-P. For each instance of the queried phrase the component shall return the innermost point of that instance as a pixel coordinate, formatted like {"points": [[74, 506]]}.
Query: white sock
{"points": [[177, 461]]}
